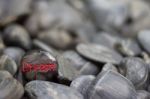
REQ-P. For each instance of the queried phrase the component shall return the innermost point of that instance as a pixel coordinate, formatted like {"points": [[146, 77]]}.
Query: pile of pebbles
{"points": [[100, 49]]}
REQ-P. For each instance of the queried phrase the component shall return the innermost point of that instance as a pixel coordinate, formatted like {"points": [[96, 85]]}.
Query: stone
{"points": [[48, 90], [136, 70], [8, 64], [99, 53], [16, 35], [111, 85], [39, 65]]}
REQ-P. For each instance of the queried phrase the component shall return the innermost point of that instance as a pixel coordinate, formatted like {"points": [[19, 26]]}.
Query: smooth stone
{"points": [[111, 85], [108, 67], [10, 88], [57, 38], [139, 18], [44, 16], [128, 47], [8, 64], [82, 83], [42, 46], [48, 90], [99, 53], [16, 35], [106, 39], [15, 53], [142, 94], [136, 70], [83, 66], [11, 9], [5, 74], [109, 15], [39, 60], [66, 71], [143, 38]]}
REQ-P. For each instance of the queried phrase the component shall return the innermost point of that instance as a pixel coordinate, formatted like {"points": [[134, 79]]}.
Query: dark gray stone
{"points": [[82, 83], [57, 38], [15, 53], [143, 38], [83, 66], [106, 39], [48, 90], [8, 64], [16, 35], [111, 85], [108, 14], [99, 53], [10, 88], [39, 60], [108, 67], [11, 9], [136, 70], [128, 47]]}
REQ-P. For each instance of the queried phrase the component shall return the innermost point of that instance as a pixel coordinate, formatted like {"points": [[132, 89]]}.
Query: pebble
{"points": [[83, 66], [39, 60], [82, 83], [10, 88], [16, 35], [10, 10], [109, 15], [106, 39], [128, 47], [99, 53], [54, 37], [111, 85], [42, 46], [8, 64], [48, 90], [108, 67], [136, 70], [66, 71], [139, 17], [143, 38], [44, 16], [15, 53]]}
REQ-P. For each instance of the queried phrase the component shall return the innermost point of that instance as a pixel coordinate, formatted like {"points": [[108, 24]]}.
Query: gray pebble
{"points": [[136, 70], [15, 53], [144, 39], [8, 64], [16, 35], [82, 83], [99, 53], [48, 90], [111, 85]]}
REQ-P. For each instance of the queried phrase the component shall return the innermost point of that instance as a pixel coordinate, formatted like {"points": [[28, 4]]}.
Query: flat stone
{"points": [[99, 53]]}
